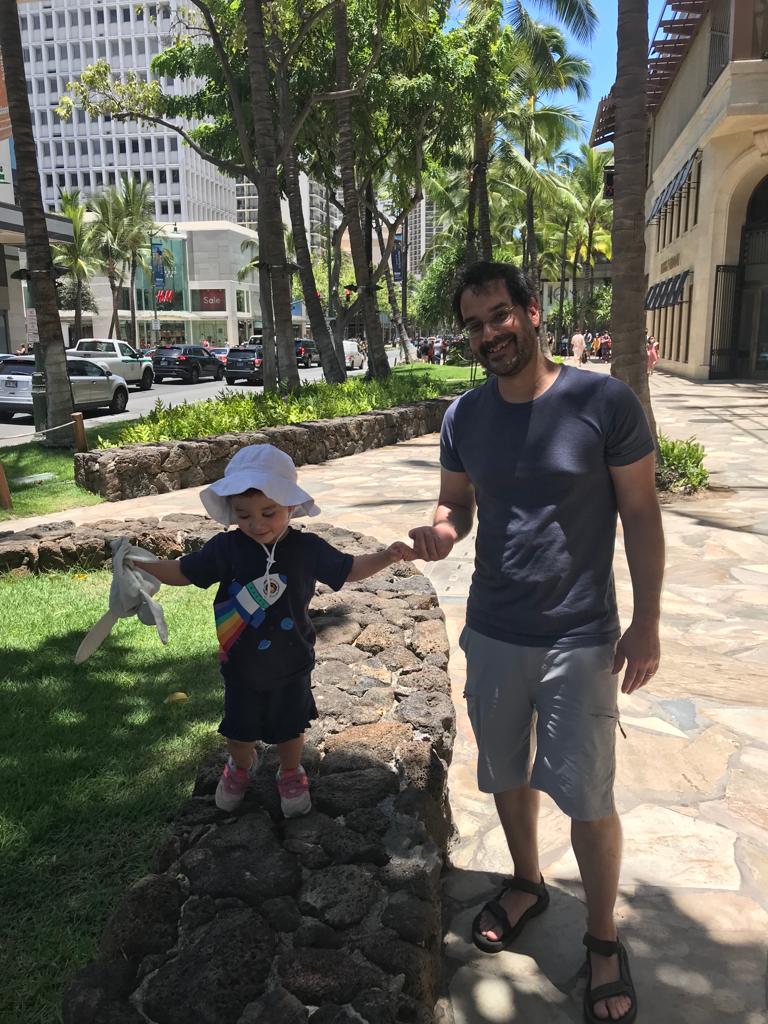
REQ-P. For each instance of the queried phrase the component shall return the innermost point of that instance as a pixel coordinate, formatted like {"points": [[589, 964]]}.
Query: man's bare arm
{"points": [[635, 488], [452, 520]]}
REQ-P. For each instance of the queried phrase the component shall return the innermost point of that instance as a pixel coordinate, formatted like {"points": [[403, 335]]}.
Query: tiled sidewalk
{"points": [[693, 771]]}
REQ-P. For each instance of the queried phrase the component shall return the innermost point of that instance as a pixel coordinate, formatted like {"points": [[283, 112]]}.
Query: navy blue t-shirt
{"points": [[263, 644], [546, 507]]}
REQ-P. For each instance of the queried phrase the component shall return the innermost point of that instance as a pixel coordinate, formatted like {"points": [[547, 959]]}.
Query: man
{"points": [[549, 455], [578, 342]]}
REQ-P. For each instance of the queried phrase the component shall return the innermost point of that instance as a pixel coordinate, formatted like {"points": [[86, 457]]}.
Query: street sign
{"points": [[155, 325], [32, 336]]}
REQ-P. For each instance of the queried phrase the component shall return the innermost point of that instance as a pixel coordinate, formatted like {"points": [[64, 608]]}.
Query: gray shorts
{"points": [[558, 704]]}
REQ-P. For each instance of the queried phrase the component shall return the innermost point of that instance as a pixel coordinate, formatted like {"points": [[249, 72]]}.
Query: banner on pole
{"points": [[397, 259], [158, 267]]}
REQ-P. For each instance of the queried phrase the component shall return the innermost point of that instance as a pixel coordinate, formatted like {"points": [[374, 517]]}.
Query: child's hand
{"points": [[400, 552]]}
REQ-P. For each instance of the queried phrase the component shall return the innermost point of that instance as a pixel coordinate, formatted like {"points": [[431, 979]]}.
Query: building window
{"points": [[23, 23], [86, 179], [121, 146], [114, 48], [73, 19], [164, 210], [177, 207], [126, 14], [109, 147], [99, 179], [134, 145], [36, 22], [61, 20], [162, 177], [175, 176], [49, 22], [173, 143], [86, 17], [112, 15], [49, 181], [99, 16], [70, 149]]}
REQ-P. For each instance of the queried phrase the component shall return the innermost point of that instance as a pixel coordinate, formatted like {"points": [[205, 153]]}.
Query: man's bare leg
{"points": [[597, 845], [518, 811]]}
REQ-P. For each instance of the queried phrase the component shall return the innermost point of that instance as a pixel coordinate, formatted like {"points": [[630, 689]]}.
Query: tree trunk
{"points": [[332, 371], [563, 265], [590, 268], [481, 192], [378, 364], [268, 353], [471, 246], [52, 359], [271, 239], [78, 310], [114, 323], [402, 333], [132, 301], [574, 295], [628, 359]]}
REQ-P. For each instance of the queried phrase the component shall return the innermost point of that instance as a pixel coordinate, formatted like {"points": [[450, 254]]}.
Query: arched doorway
{"points": [[753, 321]]}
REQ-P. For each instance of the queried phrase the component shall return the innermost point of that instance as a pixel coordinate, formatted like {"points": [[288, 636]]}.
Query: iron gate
{"points": [[724, 352]]}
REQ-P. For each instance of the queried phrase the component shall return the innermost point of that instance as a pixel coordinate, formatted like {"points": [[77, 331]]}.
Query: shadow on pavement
{"points": [[683, 973]]}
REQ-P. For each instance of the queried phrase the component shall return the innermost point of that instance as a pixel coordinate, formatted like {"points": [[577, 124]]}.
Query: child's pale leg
{"points": [[241, 753], [290, 753]]}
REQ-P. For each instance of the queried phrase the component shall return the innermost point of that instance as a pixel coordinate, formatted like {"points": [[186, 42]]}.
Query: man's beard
{"points": [[509, 353]]}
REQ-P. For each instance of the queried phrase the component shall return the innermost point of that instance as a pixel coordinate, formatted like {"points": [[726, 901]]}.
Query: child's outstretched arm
{"points": [[166, 570], [364, 566]]}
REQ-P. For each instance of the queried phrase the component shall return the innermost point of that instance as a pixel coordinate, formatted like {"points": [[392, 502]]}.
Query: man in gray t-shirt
{"points": [[549, 456]]}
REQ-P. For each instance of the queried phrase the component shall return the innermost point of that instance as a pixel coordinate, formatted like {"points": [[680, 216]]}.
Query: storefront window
{"points": [[243, 302], [208, 300], [212, 331]]}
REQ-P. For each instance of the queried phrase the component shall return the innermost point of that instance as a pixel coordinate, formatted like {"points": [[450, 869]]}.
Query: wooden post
{"points": [[5, 491], [81, 445]]}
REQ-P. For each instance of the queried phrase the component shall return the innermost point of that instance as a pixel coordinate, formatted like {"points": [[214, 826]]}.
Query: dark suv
{"points": [[245, 363], [306, 352], [190, 362]]}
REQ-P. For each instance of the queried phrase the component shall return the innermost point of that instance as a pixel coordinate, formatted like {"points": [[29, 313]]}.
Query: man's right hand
{"points": [[432, 543]]}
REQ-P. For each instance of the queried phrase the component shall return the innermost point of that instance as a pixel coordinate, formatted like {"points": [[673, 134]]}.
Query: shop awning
{"points": [[672, 187], [666, 293]]}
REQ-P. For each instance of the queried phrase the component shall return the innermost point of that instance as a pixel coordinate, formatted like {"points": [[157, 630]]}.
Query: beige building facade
{"points": [[707, 198]]}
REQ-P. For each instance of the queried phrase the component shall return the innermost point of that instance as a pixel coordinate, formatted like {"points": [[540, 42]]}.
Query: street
{"points": [[173, 392]]}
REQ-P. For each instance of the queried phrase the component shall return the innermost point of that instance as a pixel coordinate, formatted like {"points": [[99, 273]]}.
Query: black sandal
{"points": [[622, 987], [510, 931]]}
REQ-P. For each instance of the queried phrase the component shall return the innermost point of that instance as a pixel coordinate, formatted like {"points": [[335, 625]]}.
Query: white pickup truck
{"points": [[119, 357]]}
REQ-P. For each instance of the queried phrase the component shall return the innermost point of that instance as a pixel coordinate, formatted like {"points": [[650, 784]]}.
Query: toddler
{"points": [[266, 574]]}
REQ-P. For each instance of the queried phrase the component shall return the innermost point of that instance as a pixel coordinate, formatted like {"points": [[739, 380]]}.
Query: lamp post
{"points": [[155, 324]]}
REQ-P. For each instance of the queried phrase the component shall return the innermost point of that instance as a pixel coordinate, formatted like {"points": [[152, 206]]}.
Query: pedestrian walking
{"points": [[652, 354], [437, 352], [578, 342], [266, 574], [549, 457]]}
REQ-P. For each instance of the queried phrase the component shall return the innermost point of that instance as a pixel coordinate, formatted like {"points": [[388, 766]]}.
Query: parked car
{"points": [[190, 362], [119, 357], [307, 352], [353, 357], [220, 353], [94, 386], [245, 363]]}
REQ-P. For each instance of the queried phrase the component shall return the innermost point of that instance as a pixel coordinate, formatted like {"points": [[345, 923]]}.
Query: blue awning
{"points": [[666, 293], [672, 187]]}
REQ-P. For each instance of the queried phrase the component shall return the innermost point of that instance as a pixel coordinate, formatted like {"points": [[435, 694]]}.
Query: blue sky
{"points": [[601, 52]]}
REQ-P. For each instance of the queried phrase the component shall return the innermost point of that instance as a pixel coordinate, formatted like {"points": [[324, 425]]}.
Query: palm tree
{"points": [[113, 241], [589, 177], [137, 208], [630, 141], [50, 355], [80, 257]]}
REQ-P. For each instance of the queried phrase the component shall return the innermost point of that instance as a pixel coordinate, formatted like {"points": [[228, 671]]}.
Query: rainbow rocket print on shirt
{"points": [[247, 607]]}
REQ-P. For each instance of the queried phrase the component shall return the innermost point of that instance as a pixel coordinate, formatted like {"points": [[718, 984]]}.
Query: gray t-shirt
{"points": [[546, 507]]}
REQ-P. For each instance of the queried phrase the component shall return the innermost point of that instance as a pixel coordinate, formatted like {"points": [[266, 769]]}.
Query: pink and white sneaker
{"points": [[293, 787], [234, 783]]}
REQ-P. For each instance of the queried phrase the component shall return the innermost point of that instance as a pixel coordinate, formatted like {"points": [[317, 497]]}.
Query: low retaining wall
{"points": [[140, 469], [250, 919]]}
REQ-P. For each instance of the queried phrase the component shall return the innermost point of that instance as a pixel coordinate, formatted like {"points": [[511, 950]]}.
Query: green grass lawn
{"points": [[93, 766], [54, 495]]}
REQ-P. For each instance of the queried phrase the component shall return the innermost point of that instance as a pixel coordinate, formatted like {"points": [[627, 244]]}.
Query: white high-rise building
{"points": [[421, 231], [319, 210], [60, 39]]}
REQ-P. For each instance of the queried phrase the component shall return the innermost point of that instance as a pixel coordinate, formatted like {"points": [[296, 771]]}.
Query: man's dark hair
{"points": [[478, 275]]}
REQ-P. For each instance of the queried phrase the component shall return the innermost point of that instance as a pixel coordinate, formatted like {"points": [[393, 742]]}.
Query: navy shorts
{"points": [[272, 716]]}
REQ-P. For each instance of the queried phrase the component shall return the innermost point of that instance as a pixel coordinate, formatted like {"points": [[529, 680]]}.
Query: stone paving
{"points": [[693, 771]]}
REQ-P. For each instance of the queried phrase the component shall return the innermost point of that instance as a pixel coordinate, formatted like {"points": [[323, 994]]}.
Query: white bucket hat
{"points": [[265, 468]]}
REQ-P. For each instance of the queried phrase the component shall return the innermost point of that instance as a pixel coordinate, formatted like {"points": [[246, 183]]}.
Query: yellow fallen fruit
{"points": [[175, 698]]}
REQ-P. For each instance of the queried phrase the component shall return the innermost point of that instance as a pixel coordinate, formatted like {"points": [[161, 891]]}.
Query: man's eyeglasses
{"points": [[500, 318]]}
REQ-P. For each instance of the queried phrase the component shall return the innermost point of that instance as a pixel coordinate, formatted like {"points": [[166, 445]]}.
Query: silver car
{"points": [[94, 386]]}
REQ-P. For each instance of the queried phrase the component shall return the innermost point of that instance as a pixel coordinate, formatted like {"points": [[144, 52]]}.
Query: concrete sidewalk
{"points": [[693, 771]]}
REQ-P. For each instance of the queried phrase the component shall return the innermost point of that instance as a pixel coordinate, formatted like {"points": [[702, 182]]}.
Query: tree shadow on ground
{"points": [[697, 957]]}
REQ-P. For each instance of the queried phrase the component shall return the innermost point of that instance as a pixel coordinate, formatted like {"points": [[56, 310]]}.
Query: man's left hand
{"points": [[639, 648]]}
